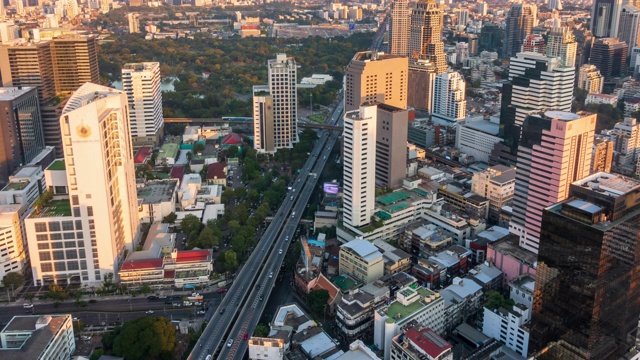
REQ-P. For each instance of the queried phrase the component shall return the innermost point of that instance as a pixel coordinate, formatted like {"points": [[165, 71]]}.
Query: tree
{"points": [[261, 330], [13, 280], [317, 300], [191, 226], [495, 300], [145, 289], [198, 148], [230, 260], [151, 337], [206, 239], [227, 196], [96, 354]]}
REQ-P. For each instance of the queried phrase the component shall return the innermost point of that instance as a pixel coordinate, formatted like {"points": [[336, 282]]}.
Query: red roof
{"points": [[193, 255], [216, 170], [429, 341], [177, 172], [232, 139], [250, 27], [141, 264], [324, 283], [142, 154]]}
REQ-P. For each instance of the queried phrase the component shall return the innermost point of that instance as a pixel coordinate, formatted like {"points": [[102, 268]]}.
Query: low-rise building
{"points": [[168, 153], [508, 326], [395, 260], [455, 259], [361, 260], [497, 184], [192, 192], [24, 186], [325, 219], [462, 299], [478, 246], [359, 351], [266, 348], [420, 344], [511, 259], [476, 137], [217, 174], [38, 337], [601, 99], [487, 276], [521, 291], [157, 199], [429, 272]]}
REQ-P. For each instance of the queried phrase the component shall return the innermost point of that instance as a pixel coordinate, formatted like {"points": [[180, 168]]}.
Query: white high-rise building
{"points": [[555, 5], [83, 233], [555, 150], [626, 143], [134, 22], [359, 165], [141, 83], [449, 104], [13, 254], [282, 114], [590, 79], [561, 43]]}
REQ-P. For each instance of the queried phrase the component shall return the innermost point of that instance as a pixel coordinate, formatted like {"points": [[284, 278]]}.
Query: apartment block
{"points": [[391, 146], [508, 326], [361, 260], [13, 245], [590, 79], [497, 184], [626, 140], [476, 137], [141, 83], [449, 104], [399, 29]]}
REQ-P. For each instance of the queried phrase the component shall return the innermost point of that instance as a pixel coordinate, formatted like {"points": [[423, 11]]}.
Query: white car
{"points": [[230, 342], [27, 306], [280, 251], [149, 312], [271, 274]]}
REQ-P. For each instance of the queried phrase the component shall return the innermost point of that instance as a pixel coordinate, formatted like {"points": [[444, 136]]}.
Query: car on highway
{"points": [[177, 304], [261, 298], [270, 275], [245, 336], [221, 311], [149, 312], [286, 238], [280, 251], [152, 297], [230, 342]]}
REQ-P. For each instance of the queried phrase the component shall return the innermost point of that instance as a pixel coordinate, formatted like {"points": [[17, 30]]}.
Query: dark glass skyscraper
{"points": [[588, 281]]}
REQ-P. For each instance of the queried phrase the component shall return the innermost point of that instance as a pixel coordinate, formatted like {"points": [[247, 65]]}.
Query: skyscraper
{"points": [[555, 5], [519, 23], [284, 107], [359, 165], [20, 129], [555, 152], [134, 22], [587, 291], [605, 15], [425, 41], [376, 78], [422, 75], [28, 65], [590, 79], [141, 83], [75, 61], [629, 28], [391, 145], [95, 197], [609, 55], [562, 43], [449, 104], [399, 30]]}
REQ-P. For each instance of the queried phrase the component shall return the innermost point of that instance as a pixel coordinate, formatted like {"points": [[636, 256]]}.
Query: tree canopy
{"points": [[146, 338], [13, 279], [317, 300]]}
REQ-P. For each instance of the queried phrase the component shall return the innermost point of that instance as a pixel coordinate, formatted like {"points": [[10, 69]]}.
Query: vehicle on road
{"points": [[177, 304], [168, 303], [197, 303], [270, 275], [280, 251], [230, 342], [27, 306], [149, 312], [200, 312], [93, 301], [221, 311], [291, 198], [152, 297], [261, 298], [187, 303], [293, 214], [245, 336], [222, 290]]}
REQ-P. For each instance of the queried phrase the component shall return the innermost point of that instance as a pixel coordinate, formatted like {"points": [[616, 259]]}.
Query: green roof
{"points": [[16, 186], [169, 150], [421, 192], [344, 283], [160, 175], [398, 207], [57, 165], [396, 311], [393, 198], [60, 207], [383, 215]]}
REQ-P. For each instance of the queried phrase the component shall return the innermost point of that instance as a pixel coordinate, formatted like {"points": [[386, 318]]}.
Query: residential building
{"points": [[497, 184], [266, 348], [38, 337], [361, 260], [521, 291], [134, 22], [358, 350], [28, 65], [609, 55], [425, 134], [24, 186], [508, 326], [626, 140], [599, 220], [534, 43], [462, 299], [141, 83], [602, 154], [20, 129], [425, 39], [449, 104], [354, 315], [13, 253], [519, 23], [629, 26], [562, 43], [631, 106], [476, 137], [94, 207], [536, 186], [513, 260], [359, 174], [372, 77], [395, 260], [391, 146], [275, 107], [399, 29], [74, 61], [590, 79], [601, 99], [420, 344], [412, 305]]}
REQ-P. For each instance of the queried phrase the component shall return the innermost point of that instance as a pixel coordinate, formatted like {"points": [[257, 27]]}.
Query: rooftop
{"points": [[157, 191], [485, 126], [509, 246], [612, 185], [59, 207], [16, 186], [42, 329], [142, 154], [168, 150], [396, 311], [364, 249], [12, 93], [216, 170], [428, 341], [87, 94], [345, 283], [372, 56], [57, 165]]}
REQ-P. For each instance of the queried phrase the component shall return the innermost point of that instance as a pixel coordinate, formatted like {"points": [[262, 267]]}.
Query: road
{"points": [[236, 346]]}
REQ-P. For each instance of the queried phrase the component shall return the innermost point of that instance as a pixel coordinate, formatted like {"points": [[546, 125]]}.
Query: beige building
{"points": [[602, 156], [361, 260], [134, 22], [376, 78], [497, 184], [425, 40], [28, 65], [75, 62], [399, 30], [12, 243], [391, 146], [590, 79]]}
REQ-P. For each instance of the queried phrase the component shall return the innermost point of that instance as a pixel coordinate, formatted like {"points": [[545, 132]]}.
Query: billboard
{"points": [[331, 188]]}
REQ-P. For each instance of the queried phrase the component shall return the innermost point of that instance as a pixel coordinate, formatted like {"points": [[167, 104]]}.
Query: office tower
{"points": [[605, 15], [562, 43], [425, 40], [359, 165], [50, 112], [141, 83], [626, 139], [399, 30], [376, 78], [75, 61], [629, 28], [20, 129], [28, 65], [555, 5], [534, 43], [449, 104], [602, 154], [134, 22], [555, 152], [391, 145], [463, 16], [13, 256], [590, 79], [281, 117], [491, 38], [609, 55], [95, 193], [422, 75], [519, 23], [587, 291]]}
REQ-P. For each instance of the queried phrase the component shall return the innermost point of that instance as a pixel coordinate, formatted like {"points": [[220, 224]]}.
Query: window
{"points": [[60, 266], [82, 254], [72, 265], [54, 226], [78, 224], [41, 227], [43, 246], [56, 236], [68, 235], [74, 200], [72, 254], [67, 225], [83, 264], [69, 244], [46, 267], [58, 255], [76, 211], [45, 256], [42, 237]]}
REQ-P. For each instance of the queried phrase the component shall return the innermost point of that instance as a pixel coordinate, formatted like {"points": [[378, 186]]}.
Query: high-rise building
{"points": [[626, 140], [422, 75], [425, 40], [134, 22], [372, 77], [605, 15], [449, 104], [359, 165], [555, 152], [629, 28], [609, 55], [391, 145], [28, 65], [75, 61], [586, 289], [463, 16], [399, 30], [534, 43], [590, 79], [20, 129], [602, 154], [562, 43], [14, 246], [276, 125], [491, 38], [95, 207], [38, 337], [141, 83], [555, 5], [519, 23]]}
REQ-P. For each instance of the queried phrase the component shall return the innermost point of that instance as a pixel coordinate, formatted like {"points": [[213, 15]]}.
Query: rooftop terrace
{"points": [[16, 186], [57, 165], [396, 311], [60, 207]]}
